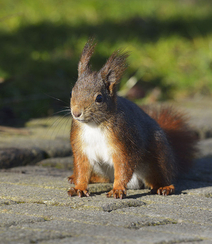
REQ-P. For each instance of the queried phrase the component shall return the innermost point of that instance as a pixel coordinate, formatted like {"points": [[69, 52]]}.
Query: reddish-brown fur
{"points": [[182, 140], [175, 126], [123, 168], [178, 132], [158, 151], [82, 168]]}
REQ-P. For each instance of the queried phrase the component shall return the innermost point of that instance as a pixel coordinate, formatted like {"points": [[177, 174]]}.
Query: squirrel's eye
{"points": [[99, 98]]}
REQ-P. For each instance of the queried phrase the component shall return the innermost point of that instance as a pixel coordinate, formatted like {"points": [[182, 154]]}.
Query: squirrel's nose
{"points": [[77, 112]]}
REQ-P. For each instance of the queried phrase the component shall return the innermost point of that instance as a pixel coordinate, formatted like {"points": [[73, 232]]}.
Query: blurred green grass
{"points": [[170, 43]]}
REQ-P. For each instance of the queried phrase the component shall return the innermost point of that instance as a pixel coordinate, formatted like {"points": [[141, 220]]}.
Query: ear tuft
{"points": [[114, 68], [87, 52]]}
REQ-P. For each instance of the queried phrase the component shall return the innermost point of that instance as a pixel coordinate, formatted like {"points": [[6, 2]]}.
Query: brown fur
{"points": [[156, 149], [82, 169], [85, 57], [178, 132], [113, 70], [123, 168], [98, 178]]}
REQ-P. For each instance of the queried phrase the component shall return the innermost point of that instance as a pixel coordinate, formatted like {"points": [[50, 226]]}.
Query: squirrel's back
{"points": [[164, 124], [138, 120]]}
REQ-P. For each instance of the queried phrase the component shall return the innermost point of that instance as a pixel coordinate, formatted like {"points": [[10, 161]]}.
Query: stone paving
{"points": [[35, 207]]}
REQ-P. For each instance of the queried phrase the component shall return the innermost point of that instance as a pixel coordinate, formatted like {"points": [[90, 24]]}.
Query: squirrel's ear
{"points": [[86, 56], [113, 70]]}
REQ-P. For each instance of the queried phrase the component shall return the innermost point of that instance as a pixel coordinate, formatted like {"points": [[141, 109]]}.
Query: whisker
{"points": [[58, 99], [62, 111], [67, 121], [57, 122]]}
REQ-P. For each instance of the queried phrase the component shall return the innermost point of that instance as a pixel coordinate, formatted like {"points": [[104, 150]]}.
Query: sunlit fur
{"points": [[115, 140]]}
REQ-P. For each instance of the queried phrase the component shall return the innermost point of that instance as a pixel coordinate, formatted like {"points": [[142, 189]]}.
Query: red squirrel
{"points": [[114, 140]]}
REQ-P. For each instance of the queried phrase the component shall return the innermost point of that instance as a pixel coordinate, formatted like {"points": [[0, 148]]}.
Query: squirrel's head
{"points": [[93, 97]]}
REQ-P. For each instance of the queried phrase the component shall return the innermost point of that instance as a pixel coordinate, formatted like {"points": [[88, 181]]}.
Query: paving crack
{"points": [[138, 225], [59, 238], [189, 240], [126, 203]]}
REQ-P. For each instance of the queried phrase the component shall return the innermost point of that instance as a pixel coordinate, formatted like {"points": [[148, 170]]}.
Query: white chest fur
{"points": [[96, 145], [99, 152]]}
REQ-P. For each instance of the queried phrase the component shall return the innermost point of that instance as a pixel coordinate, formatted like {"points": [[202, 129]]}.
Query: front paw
{"points": [[117, 193], [76, 192]]}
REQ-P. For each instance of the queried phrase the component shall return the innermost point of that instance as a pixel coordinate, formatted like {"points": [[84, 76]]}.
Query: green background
{"points": [[170, 45]]}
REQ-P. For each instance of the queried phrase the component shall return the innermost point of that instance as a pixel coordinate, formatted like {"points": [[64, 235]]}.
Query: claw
{"points": [[166, 190], [76, 192], [109, 194], [117, 194], [71, 179], [72, 192], [79, 193], [86, 193]]}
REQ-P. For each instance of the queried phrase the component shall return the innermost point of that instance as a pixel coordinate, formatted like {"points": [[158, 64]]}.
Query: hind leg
{"points": [[164, 190], [95, 178], [158, 183]]}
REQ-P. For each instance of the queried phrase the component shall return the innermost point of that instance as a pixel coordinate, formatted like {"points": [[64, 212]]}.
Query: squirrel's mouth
{"points": [[90, 122], [81, 120]]}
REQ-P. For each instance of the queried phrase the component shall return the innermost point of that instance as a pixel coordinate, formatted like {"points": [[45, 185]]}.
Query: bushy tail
{"points": [[181, 137]]}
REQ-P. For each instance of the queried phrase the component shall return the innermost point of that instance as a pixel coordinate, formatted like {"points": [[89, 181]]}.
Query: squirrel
{"points": [[114, 140]]}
